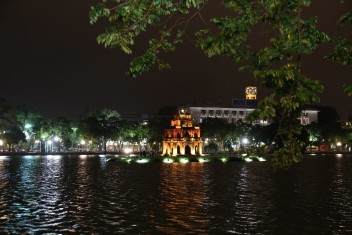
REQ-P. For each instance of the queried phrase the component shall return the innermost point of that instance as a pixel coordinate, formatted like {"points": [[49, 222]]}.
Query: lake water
{"points": [[86, 194]]}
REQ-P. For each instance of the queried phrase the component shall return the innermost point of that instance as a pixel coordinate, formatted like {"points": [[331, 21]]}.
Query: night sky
{"points": [[50, 62]]}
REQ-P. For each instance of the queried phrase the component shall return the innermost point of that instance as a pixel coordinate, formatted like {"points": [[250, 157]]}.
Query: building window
{"points": [[203, 112], [234, 112], [218, 112], [241, 112], [226, 112], [211, 112]]}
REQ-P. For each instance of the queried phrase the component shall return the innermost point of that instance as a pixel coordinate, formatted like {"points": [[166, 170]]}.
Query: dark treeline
{"points": [[104, 130]]}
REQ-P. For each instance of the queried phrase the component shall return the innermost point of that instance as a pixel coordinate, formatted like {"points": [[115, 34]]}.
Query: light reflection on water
{"points": [[183, 199], [86, 194]]}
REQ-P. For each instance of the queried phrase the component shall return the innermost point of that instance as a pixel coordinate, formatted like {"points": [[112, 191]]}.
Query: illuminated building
{"points": [[182, 137], [240, 109], [251, 93]]}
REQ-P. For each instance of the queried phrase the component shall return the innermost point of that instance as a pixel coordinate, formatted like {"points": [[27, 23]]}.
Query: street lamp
{"points": [[244, 142], [1, 144]]}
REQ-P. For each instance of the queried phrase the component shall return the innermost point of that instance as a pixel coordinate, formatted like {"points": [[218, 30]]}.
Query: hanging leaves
{"points": [[284, 35]]}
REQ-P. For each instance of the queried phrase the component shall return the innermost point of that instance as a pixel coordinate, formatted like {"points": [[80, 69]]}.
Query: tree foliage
{"points": [[343, 48], [100, 124], [277, 64]]}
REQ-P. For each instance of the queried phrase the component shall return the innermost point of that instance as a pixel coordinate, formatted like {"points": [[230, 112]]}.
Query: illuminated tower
{"points": [[251, 93], [182, 137]]}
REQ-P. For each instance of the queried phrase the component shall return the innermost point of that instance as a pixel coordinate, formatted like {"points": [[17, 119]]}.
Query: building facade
{"points": [[182, 137], [241, 108], [233, 115]]}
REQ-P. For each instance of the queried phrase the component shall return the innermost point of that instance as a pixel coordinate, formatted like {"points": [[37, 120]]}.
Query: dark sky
{"points": [[50, 62]]}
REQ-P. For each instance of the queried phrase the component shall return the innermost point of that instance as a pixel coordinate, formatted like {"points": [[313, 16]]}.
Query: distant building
{"points": [[308, 116], [240, 109], [182, 137], [229, 114]]}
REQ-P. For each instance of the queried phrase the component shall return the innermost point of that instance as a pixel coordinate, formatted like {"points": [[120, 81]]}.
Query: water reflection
{"points": [[184, 191], [87, 195], [4, 190], [341, 197]]}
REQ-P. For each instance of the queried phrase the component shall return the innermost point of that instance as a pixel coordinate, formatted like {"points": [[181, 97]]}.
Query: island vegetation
{"points": [[105, 130]]}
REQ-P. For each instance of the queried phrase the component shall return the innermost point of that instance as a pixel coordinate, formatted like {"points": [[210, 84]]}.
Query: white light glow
{"points": [[127, 150], [184, 160], [168, 160], [203, 160], [245, 141], [142, 160]]}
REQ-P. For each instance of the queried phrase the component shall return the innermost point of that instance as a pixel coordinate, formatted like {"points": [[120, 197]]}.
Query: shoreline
{"points": [[157, 156]]}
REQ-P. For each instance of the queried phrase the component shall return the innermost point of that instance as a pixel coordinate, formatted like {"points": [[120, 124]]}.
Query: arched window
{"points": [[187, 150], [187, 135]]}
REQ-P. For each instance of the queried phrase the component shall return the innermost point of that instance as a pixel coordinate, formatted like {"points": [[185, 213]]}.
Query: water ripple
{"points": [[86, 195]]}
